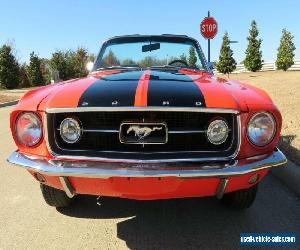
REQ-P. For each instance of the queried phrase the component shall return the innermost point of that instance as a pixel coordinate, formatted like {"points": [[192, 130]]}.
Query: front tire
{"points": [[240, 199], [55, 197]]}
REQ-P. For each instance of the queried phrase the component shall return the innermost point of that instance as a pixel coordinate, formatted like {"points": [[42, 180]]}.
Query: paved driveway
{"points": [[26, 222]]}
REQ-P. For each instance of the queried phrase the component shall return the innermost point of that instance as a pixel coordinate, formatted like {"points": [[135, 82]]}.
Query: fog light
{"points": [[217, 132], [70, 130], [253, 179]]}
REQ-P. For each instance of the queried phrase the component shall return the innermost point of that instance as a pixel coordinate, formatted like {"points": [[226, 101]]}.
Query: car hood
{"points": [[155, 88]]}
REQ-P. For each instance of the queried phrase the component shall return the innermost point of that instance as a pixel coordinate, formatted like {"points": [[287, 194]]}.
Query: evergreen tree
{"points": [[183, 57], [92, 57], [226, 63], [72, 64], [46, 71], [253, 61], [9, 68], [58, 62], [285, 55], [110, 60], [127, 62], [192, 60], [34, 71], [77, 62], [148, 61], [24, 81]]}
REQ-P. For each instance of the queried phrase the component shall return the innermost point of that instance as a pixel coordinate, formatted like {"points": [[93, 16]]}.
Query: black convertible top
{"points": [[138, 37]]}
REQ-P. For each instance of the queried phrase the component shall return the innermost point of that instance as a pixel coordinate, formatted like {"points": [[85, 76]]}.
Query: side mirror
{"points": [[89, 66], [211, 65]]}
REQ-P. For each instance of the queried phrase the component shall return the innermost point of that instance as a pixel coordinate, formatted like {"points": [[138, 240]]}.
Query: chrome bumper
{"points": [[93, 169]]}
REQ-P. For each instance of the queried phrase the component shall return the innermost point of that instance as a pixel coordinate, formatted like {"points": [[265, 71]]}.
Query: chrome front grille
{"points": [[186, 135]]}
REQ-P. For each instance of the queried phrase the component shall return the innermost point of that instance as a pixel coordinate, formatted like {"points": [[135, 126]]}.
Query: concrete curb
{"points": [[5, 104], [289, 175]]}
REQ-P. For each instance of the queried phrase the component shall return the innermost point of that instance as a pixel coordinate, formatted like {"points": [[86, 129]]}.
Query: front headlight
{"points": [[70, 130], [217, 131], [28, 129], [261, 129]]}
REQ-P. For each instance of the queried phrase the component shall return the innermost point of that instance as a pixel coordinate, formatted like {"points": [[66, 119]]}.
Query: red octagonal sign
{"points": [[209, 27]]}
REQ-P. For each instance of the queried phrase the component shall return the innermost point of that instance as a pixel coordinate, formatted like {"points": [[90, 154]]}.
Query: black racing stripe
{"points": [[112, 90], [171, 88]]}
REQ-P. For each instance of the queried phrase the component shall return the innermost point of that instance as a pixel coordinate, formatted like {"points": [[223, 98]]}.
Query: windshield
{"points": [[152, 53]]}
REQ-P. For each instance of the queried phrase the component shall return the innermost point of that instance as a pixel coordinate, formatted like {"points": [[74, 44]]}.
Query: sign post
{"points": [[208, 29]]}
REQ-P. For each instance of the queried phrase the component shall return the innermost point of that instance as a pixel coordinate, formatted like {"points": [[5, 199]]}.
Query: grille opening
{"points": [[180, 145]]}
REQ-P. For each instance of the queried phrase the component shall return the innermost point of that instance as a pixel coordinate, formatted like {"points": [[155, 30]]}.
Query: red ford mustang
{"points": [[150, 121]]}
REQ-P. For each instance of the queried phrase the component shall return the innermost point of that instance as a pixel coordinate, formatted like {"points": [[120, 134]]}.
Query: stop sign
{"points": [[209, 27]]}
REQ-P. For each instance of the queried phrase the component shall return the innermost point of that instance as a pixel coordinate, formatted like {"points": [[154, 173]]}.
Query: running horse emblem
{"points": [[142, 132]]}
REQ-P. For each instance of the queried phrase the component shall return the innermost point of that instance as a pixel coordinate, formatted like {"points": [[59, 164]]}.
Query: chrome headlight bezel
{"points": [[212, 125], [33, 129], [77, 128], [252, 135]]}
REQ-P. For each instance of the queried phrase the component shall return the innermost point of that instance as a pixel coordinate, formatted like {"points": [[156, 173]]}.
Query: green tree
{"points": [[110, 60], [285, 54], [128, 62], [77, 62], [9, 68], [148, 61], [192, 60], [46, 70], [253, 61], [58, 62], [72, 64], [92, 57], [226, 63], [34, 70], [24, 81], [183, 57]]}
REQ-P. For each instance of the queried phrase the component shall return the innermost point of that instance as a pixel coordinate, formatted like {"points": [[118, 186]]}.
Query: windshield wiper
{"points": [[165, 67], [174, 67], [118, 67]]}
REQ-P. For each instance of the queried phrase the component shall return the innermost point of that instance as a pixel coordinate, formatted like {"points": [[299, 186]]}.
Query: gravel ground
{"points": [[7, 95], [284, 89], [7, 98]]}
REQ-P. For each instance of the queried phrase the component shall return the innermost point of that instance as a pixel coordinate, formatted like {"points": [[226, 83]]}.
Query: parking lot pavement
{"points": [[26, 222]]}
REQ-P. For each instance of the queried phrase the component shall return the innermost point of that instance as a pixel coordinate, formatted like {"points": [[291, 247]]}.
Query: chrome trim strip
{"points": [[117, 160], [100, 130], [105, 159], [67, 186], [118, 109], [97, 130], [221, 188], [137, 152], [186, 131], [117, 131], [92, 169]]}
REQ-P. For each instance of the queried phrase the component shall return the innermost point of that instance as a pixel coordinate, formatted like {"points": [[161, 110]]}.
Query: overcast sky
{"points": [[44, 26]]}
